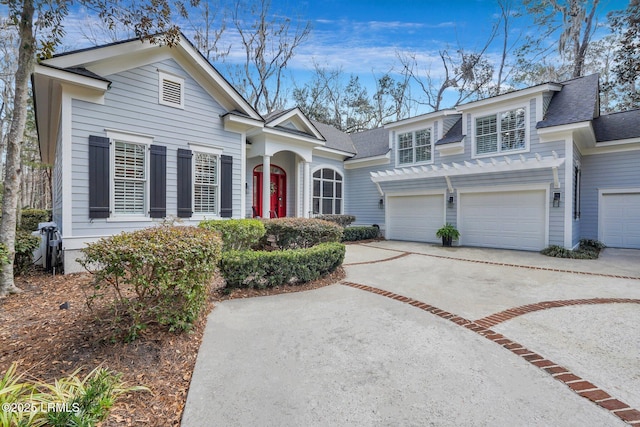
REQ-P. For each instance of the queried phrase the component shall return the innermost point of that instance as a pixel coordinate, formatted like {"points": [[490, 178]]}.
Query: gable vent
{"points": [[171, 90]]}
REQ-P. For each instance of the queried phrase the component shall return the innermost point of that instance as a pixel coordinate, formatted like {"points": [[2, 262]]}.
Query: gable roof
{"points": [[371, 143], [578, 101], [301, 123], [617, 126]]}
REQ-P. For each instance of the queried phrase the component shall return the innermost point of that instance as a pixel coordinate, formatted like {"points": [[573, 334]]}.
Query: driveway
{"points": [[422, 335]]}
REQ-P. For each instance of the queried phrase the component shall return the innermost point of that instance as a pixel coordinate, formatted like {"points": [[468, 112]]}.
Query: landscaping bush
{"points": [[30, 218], [588, 249], [352, 234], [294, 233], [237, 234], [70, 401], [156, 275], [341, 220], [25, 245], [273, 268]]}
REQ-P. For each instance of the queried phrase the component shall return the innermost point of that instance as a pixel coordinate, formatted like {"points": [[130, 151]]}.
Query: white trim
{"points": [[296, 112], [336, 153], [126, 136], [568, 198], [423, 117], [617, 148], [603, 192], [243, 173], [418, 192], [173, 78], [64, 76], [469, 168], [496, 112], [451, 148], [510, 96], [203, 148], [66, 169], [384, 159], [311, 178]]}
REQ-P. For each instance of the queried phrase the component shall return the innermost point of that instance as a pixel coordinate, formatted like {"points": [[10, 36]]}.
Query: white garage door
{"points": [[620, 220], [510, 219], [415, 218]]}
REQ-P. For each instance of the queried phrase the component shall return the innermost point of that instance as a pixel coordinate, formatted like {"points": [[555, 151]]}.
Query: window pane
{"points": [[316, 188], [129, 160], [205, 199], [206, 166], [339, 190], [423, 153], [405, 140], [327, 173], [327, 189], [405, 156], [423, 137], [205, 185], [316, 205], [317, 174], [338, 177], [129, 197], [327, 206], [512, 130], [338, 207], [129, 178], [487, 144]]}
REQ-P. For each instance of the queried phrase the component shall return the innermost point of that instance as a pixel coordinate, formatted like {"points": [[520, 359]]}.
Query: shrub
{"points": [[4, 255], [273, 268], [156, 275], [237, 234], [293, 233], [70, 401], [30, 218], [352, 234], [341, 220], [588, 249], [25, 245]]}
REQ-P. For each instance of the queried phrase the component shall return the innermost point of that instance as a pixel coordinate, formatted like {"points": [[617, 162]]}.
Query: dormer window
{"points": [[502, 132], [414, 147], [171, 90]]}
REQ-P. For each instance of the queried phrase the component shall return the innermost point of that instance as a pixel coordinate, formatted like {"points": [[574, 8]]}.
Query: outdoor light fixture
{"points": [[380, 203], [556, 200], [450, 200]]}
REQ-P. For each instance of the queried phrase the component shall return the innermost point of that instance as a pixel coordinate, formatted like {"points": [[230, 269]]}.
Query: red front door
{"points": [[278, 196]]}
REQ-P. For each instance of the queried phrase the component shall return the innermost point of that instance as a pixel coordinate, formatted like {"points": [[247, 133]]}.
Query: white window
{"points": [[502, 132], [327, 192], [171, 90], [205, 183], [414, 147], [129, 178]]}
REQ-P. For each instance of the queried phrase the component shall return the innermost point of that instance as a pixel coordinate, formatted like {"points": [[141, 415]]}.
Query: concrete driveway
{"points": [[422, 335]]}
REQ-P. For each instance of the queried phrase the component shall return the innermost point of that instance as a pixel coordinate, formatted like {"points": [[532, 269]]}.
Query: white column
{"points": [[306, 193], [266, 186]]}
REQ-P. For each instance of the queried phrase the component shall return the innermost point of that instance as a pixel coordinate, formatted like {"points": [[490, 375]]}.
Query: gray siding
{"points": [[132, 105], [362, 196], [602, 171]]}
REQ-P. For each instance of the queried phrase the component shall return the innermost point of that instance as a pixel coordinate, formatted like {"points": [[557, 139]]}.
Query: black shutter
{"points": [[184, 183], [98, 177], [158, 182], [226, 186]]}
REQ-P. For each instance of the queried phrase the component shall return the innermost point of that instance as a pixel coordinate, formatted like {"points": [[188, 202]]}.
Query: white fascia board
{"points": [[290, 136], [241, 124], [96, 54], [468, 168], [385, 159], [510, 96], [64, 76], [423, 117], [296, 112], [332, 152], [556, 133]]}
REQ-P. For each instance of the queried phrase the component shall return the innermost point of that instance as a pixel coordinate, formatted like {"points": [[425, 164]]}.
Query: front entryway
{"points": [[278, 196]]}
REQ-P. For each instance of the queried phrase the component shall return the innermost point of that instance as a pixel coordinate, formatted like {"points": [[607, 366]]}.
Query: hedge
{"points": [[263, 269], [237, 234], [30, 218], [155, 275], [341, 220], [352, 234], [25, 245], [294, 233]]}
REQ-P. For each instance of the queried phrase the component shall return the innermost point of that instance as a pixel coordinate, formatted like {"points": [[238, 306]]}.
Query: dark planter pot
{"points": [[446, 241]]}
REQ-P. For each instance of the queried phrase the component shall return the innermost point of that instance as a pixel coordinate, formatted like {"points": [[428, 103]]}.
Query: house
{"points": [[138, 133]]}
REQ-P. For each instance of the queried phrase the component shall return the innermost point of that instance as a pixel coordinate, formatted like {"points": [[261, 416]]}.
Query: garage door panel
{"points": [[511, 219], [620, 220], [415, 218]]}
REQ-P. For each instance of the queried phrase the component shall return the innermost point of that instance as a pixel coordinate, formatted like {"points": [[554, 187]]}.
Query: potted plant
{"points": [[448, 233]]}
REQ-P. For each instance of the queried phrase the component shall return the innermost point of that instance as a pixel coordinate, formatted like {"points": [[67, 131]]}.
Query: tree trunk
{"points": [[26, 62]]}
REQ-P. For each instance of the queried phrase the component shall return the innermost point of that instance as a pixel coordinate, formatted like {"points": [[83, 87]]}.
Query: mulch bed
{"points": [[48, 342]]}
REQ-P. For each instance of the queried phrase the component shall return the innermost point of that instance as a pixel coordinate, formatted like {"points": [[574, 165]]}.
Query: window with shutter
{"points": [[130, 178], [205, 183], [171, 90]]}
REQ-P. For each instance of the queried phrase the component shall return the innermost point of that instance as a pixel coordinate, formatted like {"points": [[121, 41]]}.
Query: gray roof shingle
{"points": [[617, 126], [576, 102], [453, 135], [335, 138], [371, 143]]}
